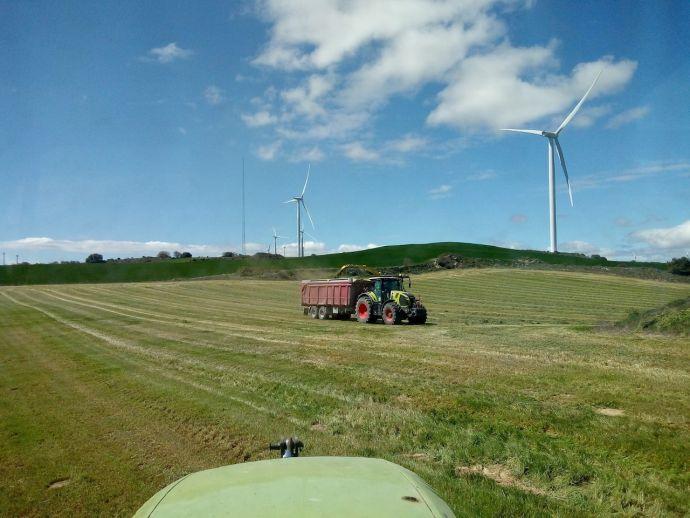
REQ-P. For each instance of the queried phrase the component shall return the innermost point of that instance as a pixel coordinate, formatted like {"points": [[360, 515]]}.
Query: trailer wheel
{"points": [[313, 312], [363, 311], [323, 312], [392, 314]]}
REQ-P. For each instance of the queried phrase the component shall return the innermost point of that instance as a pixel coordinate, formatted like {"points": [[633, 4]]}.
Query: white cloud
{"points": [[630, 175], [355, 248], [587, 116], [677, 237], [310, 247], [583, 247], [306, 99], [407, 144], [518, 218], [168, 53], [482, 177], [261, 118], [512, 87], [111, 248], [214, 95], [357, 152], [269, 151], [440, 192], [313, 154], [623, 222], [627, 117], [124, 249], [349, 59]]}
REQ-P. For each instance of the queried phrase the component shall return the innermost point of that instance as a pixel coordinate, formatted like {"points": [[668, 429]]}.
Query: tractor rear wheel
{"points": [[420, 317], [323, 313], [392, 314], [363, 310], [313, 312]]}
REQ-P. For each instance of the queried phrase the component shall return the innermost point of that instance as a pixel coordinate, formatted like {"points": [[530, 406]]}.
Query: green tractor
{"points": [[388, 300], [300, 487]]}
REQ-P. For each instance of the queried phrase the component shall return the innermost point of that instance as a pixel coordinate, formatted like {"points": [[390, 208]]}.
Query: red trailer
{"points": [[333, 298]]}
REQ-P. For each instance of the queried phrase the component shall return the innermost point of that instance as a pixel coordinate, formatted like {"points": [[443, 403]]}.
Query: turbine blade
{"points": [[533, 132], [559, 149], [307, 180], [307, 211], [311, 236], [578, 105], [292, 200]]}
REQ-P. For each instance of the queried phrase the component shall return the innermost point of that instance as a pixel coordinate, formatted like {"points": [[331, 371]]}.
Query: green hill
{"points": [[385, 256]]}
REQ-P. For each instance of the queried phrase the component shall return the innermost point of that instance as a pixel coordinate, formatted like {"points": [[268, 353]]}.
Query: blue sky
{"points": [[125, 124]]}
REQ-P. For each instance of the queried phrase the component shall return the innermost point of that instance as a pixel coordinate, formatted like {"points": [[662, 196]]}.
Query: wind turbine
{"points": [[276, 237], [552, 136], [309, 235], [299, 200]]}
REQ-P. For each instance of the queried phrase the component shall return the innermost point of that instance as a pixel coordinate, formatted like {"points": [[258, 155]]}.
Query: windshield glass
{"points": [[391, 284]]}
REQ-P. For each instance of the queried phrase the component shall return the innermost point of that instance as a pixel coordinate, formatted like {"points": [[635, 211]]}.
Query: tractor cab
{"points": [[383, 287]]}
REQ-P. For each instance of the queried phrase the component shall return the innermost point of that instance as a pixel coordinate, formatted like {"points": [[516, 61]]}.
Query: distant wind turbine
{"points": [[276, 237], [299, 200], [553, 142]]}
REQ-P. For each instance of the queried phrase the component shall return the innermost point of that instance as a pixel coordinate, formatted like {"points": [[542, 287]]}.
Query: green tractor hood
{"points": [[300, 487]]}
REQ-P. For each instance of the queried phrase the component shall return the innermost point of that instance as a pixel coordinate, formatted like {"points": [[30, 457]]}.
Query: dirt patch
{"points": [[499, 474], [318, 427], [60, 482], [612, 412]]}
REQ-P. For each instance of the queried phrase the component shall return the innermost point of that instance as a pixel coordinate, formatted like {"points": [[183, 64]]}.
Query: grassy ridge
{"points": [[117, 389], [673, 317], [185, 269]]}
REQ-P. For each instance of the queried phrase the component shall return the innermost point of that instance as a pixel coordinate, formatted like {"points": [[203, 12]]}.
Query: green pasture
{"points": [[516, 398], [384, 256]]}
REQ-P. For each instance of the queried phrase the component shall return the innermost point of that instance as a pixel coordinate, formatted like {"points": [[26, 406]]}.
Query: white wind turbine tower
{"points": [[276, 237], [552, 136], [299, 200], [309, 235]]}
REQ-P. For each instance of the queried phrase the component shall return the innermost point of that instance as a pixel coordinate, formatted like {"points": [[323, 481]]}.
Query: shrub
{"points": [[229, 254], [679, 266], [185, 255], [163, 255], [95, 258]]}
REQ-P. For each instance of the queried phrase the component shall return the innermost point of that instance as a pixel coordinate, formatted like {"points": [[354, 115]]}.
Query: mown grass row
{"points": [[121, 388]]}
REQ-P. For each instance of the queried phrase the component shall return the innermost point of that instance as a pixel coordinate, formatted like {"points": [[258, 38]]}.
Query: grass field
{"points": [[512, 400]]}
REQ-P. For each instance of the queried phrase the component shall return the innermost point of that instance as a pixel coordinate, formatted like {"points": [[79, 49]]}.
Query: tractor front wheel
{"points": [[363, 311], [392, 314]]}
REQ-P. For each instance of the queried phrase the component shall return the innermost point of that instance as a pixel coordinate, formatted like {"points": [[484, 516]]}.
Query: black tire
{"points": [[313, 312], [391, 314], [420, 317], [323, 312], [363, 310]]}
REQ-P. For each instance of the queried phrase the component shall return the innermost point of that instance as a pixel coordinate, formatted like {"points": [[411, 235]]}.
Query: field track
{"points": [[513, 399]]}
